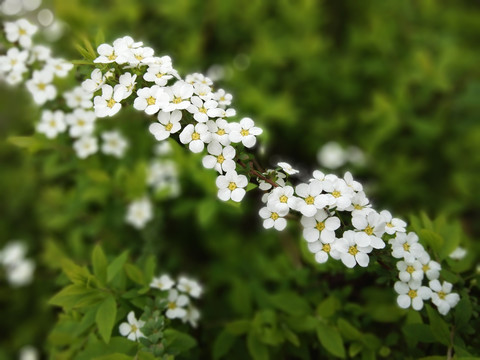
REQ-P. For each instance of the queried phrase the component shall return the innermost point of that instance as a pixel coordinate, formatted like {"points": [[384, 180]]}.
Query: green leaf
{"points": [[238, 327], [30, 143], [135, 274], [438, 326], [100, 37], [178, 342], [348, 331], [256, 348], [354, 349], [105, 318], [100, 264], [149, 267], [331, 339], [251, 186], [116, 265], [115, 356], [328, 307], [432, 239], [76, 274], [69, 296], [290, 335], [418, 332], [290, 303], [463, 312], [223, 343]]}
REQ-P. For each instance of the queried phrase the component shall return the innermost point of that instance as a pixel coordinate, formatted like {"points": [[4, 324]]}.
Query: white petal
{"points": [[403, 301], [238, 194]]}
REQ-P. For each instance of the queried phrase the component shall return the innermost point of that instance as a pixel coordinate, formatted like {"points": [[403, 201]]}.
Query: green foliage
{"points": [[397, 79]]}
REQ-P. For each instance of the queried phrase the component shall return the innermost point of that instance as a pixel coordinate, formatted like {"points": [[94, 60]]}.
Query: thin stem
{"points": [[258, 174]]}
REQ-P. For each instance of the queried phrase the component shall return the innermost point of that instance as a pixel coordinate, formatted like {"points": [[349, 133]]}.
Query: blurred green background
{"points": [[398, 79]]}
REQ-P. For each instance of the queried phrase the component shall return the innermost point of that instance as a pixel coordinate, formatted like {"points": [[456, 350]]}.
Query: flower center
{"points": [[352, 250], [232, 186], [221, 132], [169, 126], [195, 136], [159, 75], [112, 56], [274, 216], [283, 199], [151, 100], [412, 293], [390, 224], [369, 230], [22, 32], [406, 247], [133, 328], [336, 194], [52, 123], [13, 62], [139, 57], [41, 86], [410, 269], [177, 100], [441, 295], [202, 110], [244, 132], [220, 159], [81, 122], [425, 268], [326, 248], [310, 200], [358, 207], [320, 226], [111, 102], [172, 305]]}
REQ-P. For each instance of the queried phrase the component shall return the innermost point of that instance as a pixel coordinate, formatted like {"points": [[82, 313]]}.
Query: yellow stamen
{"points": [[274, 216], [310, 200], [244, 132], [151, 100], [232, 186], [177, 100], [220, 159], [195, 136], [369, 230], [412, 294], [41, 86], [169, 126], [352, 250], [326, 248], [336, 194], [410, 269], [320, 226], [406, 246], [441, 295], [283, 199], [111, 103]]}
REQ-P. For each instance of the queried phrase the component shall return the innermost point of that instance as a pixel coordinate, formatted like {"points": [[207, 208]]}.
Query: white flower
{"points": [[13, 77], [220, 130], [201, 110], [203, 91], [81, 122], [351, 251], [85, 146], [168, 123], [227, 113], [40, 85], [282, 199], [222, 97], [371, 228], [52, 123], [127, 80], [139, 213], [429, 267], [220, 159], [108, 104], [159, 74], [151, 100], [406, 246], [95, 82], [458, 254], [195, 136], [114, 144], [192, 316], [231, 186], [28, 352], [176, 305], [179, 95], [78, 98], [244, 132], [162, 175], [321, 226], [140, 55], [40, 53], [308, 194], [14, 61], [108, 54], [273, 218], [59, 67], [392, 225], [331, 155], [360, 205], [323, 251], [411, 294], [21, 273], [163, 282], [13, 253], [20, 31], [163, 148], [197, 78], [410, 270], [442, 296], [132, 329], [355, 185], [189, 286], [341, 195], [286, 167]]}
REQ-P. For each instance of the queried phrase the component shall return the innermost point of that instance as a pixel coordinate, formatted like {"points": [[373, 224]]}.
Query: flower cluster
{"points": [[177, 304], [19, 270]]}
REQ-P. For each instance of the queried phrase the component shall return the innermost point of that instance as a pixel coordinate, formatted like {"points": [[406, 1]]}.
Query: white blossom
{"points": [[352, 251], [81, 122], [108, 104], [273, 218], [195, 136], [114, 143], [220, 159], [20, 31], [78, 97], [85, 146], [371, 228], [176, 305], [443, 297], [411, 294], [52, 123], [163, 282], [168, 123], [392, 225], [244, 132], [40, 86], [220, 130], [151, 100], [189, 286], [179, 96], [287, 168], [139, 213], [321, 226], [231, 186], [132, 328]]}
